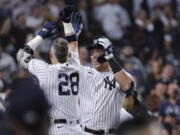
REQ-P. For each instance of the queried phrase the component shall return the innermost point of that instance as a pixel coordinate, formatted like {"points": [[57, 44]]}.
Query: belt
{"points": [[64, 121], [98, 132]]}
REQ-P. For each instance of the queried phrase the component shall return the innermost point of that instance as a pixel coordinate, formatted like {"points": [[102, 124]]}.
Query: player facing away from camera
{"points": [[59, 80], [101, 91]]}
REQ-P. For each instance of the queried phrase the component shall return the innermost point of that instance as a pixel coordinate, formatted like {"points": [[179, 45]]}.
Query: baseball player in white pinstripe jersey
{"points": [[101, 93], [59, 80]]}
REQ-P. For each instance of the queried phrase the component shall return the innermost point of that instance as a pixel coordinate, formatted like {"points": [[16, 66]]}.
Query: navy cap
{"points": [[27, 104]]}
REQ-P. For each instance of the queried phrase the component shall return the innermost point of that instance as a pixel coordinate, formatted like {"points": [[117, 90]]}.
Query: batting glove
{"points": [[77, 23], [108, 51], [65, 14], [47, 29]]}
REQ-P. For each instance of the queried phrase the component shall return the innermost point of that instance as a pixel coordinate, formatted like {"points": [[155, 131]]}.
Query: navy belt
{"points": [[98, 132]]}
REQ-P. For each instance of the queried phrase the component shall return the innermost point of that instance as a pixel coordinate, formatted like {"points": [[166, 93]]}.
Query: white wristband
{"points": [[68, 28], [35, 42]]}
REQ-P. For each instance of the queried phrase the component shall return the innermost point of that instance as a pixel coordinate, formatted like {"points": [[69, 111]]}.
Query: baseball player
{"points": [[101, 92], [59, 80]]}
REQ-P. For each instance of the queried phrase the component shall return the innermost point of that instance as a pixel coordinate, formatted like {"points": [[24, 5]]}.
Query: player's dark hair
{"points": [[60, 49]]}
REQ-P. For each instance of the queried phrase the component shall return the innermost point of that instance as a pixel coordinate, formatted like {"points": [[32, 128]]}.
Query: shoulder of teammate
{"points": [[38, 67]]}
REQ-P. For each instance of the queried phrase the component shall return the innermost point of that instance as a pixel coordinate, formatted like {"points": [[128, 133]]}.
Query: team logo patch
{"points": [[110, 84]]}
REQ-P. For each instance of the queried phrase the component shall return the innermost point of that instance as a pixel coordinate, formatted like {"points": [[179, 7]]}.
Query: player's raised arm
{"points": [[72, 23], [25, 55], [124, 79]]}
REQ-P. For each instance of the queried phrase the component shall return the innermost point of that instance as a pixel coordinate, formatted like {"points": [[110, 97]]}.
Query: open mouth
{"points": [[95, 62]]}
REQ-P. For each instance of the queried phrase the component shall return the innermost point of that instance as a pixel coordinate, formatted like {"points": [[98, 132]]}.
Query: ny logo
{"points": [[111, 84]]}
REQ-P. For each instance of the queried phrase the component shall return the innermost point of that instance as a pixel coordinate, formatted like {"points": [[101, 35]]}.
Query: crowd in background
{"points": [[145, 36]]}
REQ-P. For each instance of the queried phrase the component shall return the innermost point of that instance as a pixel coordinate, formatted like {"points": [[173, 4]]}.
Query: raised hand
{"points": [[47, 29], [65, 14], [107, 45], [77, 23]]}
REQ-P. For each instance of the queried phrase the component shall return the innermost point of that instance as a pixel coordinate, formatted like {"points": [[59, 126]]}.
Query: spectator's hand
{"points": [[108, 53], [47, 29], [65, 14], [77, 24]]}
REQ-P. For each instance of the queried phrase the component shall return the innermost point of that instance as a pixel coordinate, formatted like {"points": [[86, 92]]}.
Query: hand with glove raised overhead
{"points": [[47, 30], [72, 22]]}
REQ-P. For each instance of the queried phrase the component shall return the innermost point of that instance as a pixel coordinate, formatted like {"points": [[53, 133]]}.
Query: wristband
{"points": [[131, 92], [114, 65], [71, 38], [68, 28], [28, 49]]}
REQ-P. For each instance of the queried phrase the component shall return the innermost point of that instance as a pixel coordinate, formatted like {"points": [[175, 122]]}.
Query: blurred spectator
{"points": [[84, 57], [136, 6], [178, 6], [159, 89], [17, 30], [19, 6], [168, 52], [153, 3], [167, 72], [5, 33], [112, 17], [55, 6], [168, 19], [142, 48], [35, 20], [154, 74], [139, 71], [5, 4], [171, 105], [170, 55], [143, 22], [153, 103], [7, 66]]}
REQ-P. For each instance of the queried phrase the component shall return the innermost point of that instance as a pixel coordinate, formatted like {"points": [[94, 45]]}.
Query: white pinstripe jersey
{"points": [[100, 99], [60, 84]]}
